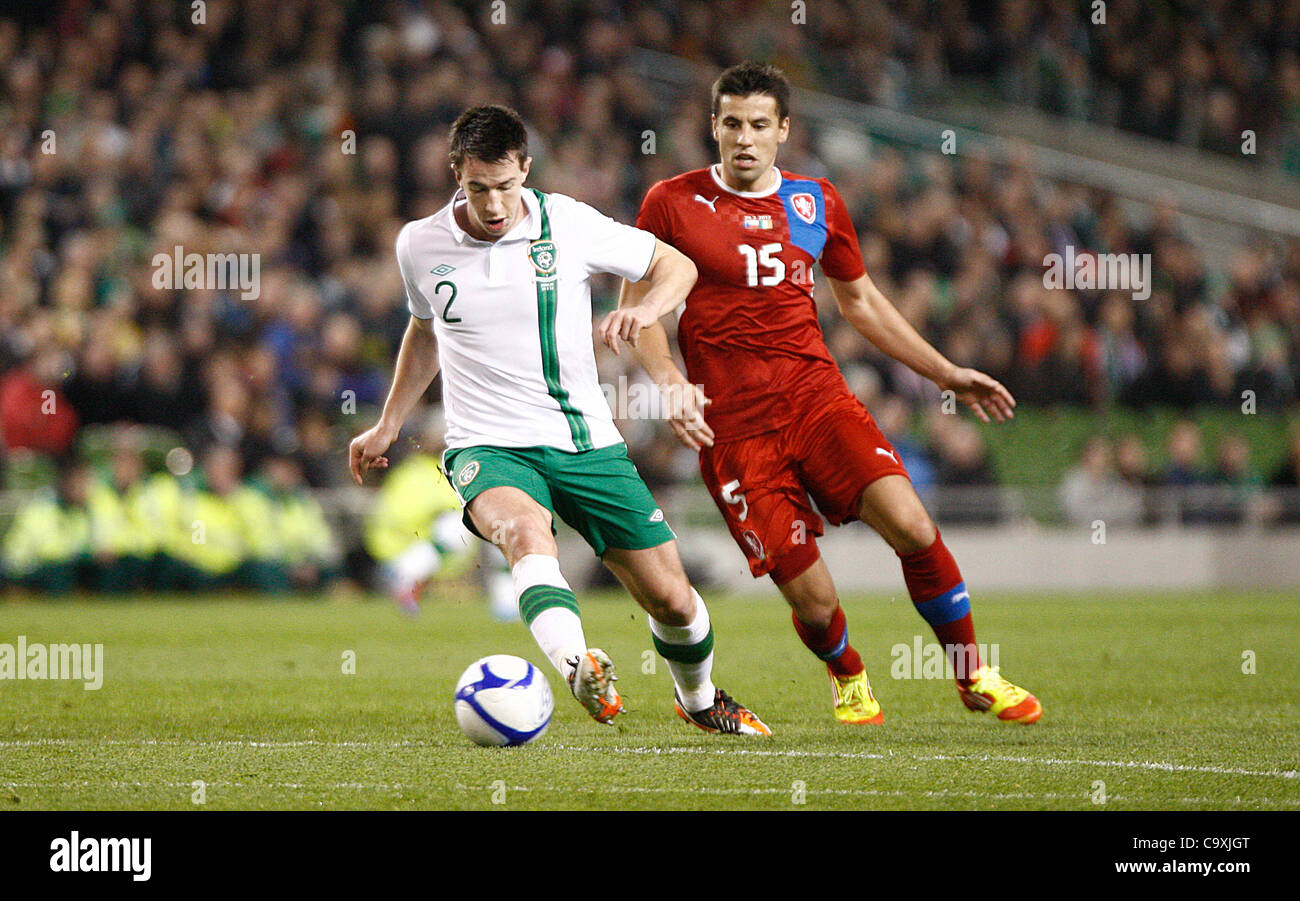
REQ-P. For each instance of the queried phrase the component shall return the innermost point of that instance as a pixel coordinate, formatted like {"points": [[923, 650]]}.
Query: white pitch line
{"points": [[841, 755], [209, 743], [781, 790], [932, 758]]}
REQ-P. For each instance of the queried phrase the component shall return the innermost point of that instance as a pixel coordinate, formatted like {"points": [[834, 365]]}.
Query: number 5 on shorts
{"points": [[732, 497]]}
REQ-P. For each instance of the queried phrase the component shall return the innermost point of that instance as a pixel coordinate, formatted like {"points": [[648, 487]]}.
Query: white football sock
{"points": [[692, 676], [557, 627]]}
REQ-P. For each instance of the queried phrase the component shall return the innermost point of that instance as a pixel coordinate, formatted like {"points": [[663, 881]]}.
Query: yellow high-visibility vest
{"points": [[45, 532], [414, 494]]}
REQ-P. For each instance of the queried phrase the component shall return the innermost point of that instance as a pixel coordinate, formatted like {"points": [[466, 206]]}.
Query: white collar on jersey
{"points": [[716, 171], [531, 229]]}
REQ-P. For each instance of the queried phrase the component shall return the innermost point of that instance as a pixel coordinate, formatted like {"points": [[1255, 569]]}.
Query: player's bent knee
{"points": [[814, 609], [522, 535], [674, 606], [916, 532]]}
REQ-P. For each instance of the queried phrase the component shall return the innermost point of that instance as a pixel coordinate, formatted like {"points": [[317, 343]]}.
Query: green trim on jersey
{"points": [[547, 303]]}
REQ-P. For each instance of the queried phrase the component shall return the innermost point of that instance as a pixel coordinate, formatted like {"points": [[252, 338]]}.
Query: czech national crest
{"points": [[542, 253], [805, 207]]}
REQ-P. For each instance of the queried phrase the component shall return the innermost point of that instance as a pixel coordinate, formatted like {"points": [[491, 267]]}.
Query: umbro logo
{"points": [[657, 516], [708, 203], [442, 269]]}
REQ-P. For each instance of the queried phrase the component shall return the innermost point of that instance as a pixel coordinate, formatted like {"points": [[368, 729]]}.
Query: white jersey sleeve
{"points": [[416, 302], [607, 245]]}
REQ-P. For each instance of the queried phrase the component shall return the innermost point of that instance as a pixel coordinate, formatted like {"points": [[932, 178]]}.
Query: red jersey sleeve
{"points": [[654, 216], [841, 258]]}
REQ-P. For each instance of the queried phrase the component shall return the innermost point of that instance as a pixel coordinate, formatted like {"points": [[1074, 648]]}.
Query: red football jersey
{"points": [[749, 333]]}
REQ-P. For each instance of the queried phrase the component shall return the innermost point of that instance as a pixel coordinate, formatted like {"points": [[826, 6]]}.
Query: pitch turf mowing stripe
{"points": [[547, 304], [614, 749], [685, 653], [617, 789]]}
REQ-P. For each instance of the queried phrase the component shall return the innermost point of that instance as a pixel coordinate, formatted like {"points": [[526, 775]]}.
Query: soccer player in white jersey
{"points": [[497, 284]]}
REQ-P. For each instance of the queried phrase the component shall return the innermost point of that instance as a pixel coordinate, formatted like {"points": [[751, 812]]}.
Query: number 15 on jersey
{"points": [[765, 257]]}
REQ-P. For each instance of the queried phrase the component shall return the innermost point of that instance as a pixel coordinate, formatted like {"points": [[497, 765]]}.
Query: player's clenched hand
{"points": [[684, 404], [626, 324], [367, 450], [982, 393]]}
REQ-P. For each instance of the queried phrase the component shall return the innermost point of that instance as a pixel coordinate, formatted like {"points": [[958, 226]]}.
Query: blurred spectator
{"points": [[1133, 467], [964, 473], [1286, 484], [217, 534], [306, 556], [1093, 489], [123, 538], [48, 547], [1185, 449], [1233, 482], [1185, 479], [34, 412]]}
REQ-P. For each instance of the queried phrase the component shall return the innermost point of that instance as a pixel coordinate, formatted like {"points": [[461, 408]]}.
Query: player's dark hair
{"points": [[751, 78], [487, 133]]}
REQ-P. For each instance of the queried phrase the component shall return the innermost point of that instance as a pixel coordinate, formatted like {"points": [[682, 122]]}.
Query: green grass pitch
{"points": [[1145, 694]]}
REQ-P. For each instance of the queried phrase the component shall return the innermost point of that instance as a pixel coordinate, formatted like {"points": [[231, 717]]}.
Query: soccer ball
{"points": [[502, 701]]}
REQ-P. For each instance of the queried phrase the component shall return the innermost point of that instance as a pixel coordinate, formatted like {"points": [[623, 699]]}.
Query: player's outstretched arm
{"points": [[417, 364], [878, 320], [684, 402], [660, 291]]}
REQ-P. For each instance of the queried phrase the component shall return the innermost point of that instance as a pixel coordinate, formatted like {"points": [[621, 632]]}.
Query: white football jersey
{"points": [[513, 320]]}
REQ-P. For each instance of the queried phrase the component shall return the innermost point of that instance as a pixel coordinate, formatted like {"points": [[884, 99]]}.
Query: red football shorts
{"points": [[766, 485]]}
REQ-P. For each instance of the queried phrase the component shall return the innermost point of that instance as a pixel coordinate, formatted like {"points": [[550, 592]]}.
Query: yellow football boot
{"points": [[854, 702], [989, 692]]}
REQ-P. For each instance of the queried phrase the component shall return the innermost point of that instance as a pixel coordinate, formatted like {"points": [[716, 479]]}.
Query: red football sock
{"points": [[831, 644], [936, 587]]}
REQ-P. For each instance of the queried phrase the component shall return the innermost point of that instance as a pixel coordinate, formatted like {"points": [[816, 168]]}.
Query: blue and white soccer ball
{"points": [[503, 701]]}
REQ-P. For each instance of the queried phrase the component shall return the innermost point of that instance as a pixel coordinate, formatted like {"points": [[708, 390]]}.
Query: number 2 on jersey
{"points": [[446, 310], [766, 257]]}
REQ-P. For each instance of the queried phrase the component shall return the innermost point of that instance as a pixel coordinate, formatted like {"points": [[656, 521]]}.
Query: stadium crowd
{"points": [[308, 133]]}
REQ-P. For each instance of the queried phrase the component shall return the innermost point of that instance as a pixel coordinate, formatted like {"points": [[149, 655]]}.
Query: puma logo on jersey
{"points": [[708, 203], [961, 596], [885, 453]]}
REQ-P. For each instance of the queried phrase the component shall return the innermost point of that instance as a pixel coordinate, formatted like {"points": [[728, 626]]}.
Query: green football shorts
{"points": [[597, 492]]}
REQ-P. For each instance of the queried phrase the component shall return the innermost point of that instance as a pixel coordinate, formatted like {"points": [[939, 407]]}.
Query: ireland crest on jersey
{"points": [[542, 253]]}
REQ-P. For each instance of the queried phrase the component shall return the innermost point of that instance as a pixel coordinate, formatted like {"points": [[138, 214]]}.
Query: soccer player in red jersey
{"points": [[782, 428]]}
